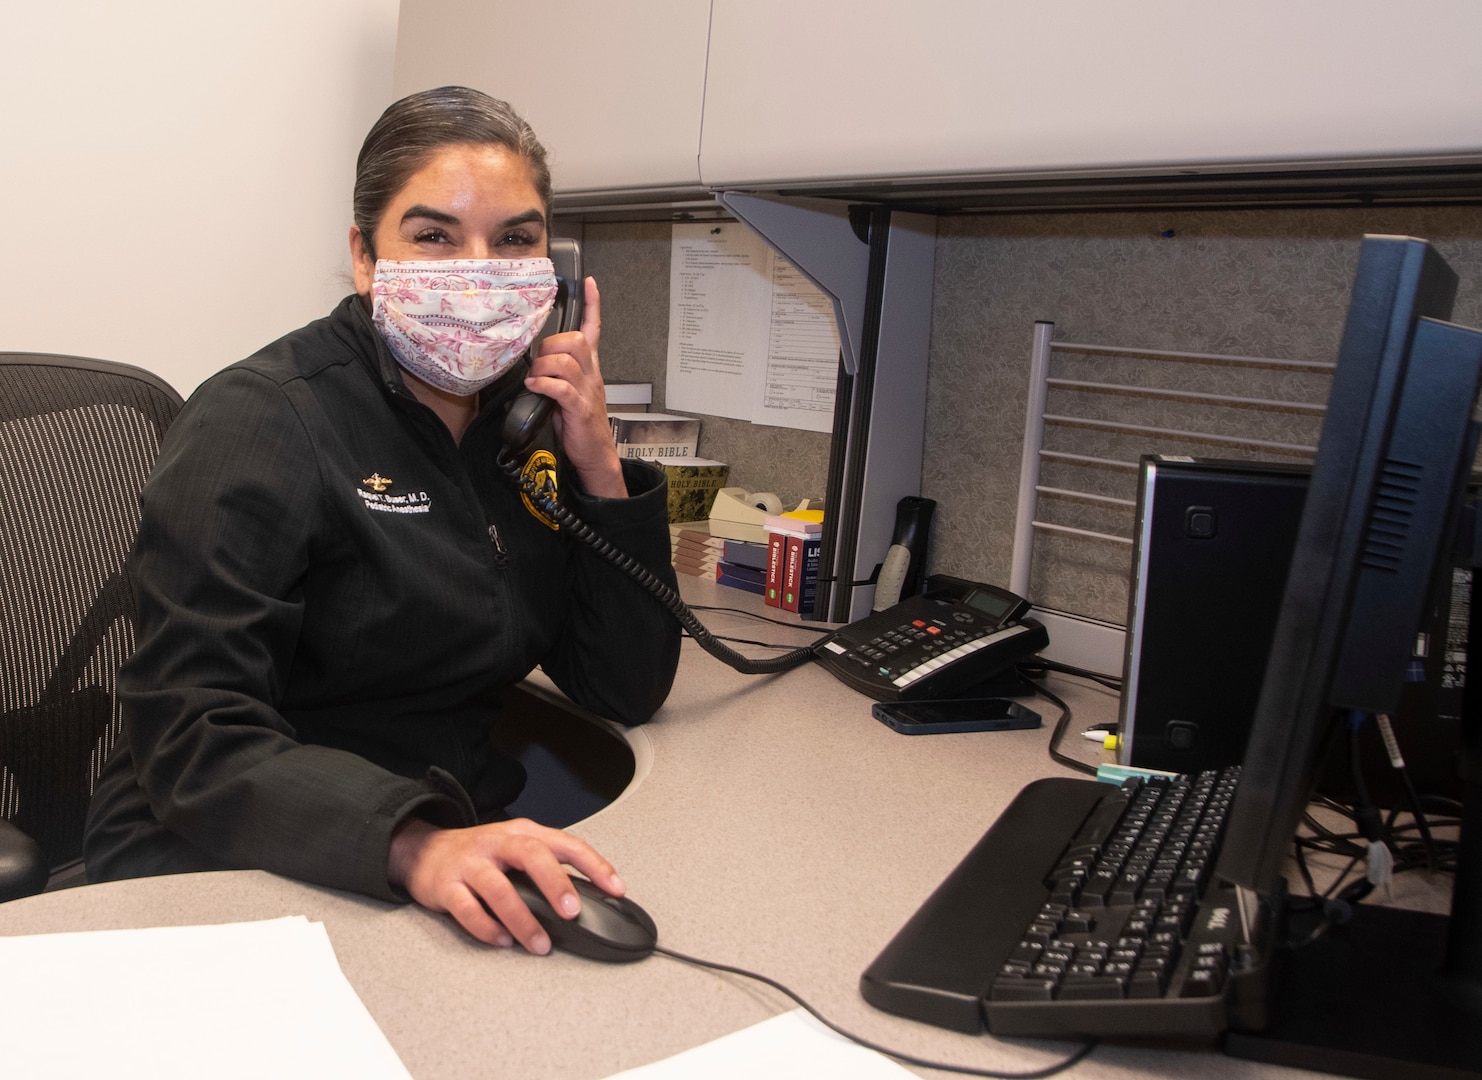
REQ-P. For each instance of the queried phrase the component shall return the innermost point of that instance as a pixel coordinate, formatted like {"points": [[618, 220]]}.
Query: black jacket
{"points": [[331, 595]]}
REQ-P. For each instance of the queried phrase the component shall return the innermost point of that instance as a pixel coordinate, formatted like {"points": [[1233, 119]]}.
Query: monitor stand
{"points": [[1394, 993], [1368, 1000]]}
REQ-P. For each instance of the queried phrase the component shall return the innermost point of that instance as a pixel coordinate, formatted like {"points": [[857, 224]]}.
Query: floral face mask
{"points": [[459, 324]]}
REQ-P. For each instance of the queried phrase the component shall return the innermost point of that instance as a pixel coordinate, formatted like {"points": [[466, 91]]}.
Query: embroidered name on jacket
{"points": [[416, 502]]}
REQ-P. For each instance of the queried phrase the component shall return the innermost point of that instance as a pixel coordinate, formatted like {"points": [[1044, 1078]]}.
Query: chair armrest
{"points": [[23, 872]]}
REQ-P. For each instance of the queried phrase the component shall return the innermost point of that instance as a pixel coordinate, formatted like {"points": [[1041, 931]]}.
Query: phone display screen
{"points": [[990, 604], [937, 717]]}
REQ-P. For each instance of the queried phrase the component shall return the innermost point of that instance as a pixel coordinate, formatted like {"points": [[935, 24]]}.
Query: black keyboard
{"points": [[1085, 910]]}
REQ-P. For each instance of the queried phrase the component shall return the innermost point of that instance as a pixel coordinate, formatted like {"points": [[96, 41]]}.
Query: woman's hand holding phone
{"points": [[566, 370]]}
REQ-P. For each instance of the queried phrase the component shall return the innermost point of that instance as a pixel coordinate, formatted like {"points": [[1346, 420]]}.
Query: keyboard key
{"points": [[1146, 984], [1041, 933], [1031, 989], [1126, 890], [1098, 886], [1167, 953], [1078, 922], [1066, 892], [1169, 939], [1100, 988], [1202, 982]]}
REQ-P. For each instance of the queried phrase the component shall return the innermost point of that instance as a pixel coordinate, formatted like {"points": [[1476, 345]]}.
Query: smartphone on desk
{"points": [[967, 714]]}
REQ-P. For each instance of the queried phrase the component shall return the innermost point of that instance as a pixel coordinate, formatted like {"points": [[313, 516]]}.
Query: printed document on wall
{"points": [[749, 336]]}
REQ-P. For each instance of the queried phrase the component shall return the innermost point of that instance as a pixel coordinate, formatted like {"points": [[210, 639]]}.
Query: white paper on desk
{"points": [[792, 1046], [749, 336], [259, 999]]}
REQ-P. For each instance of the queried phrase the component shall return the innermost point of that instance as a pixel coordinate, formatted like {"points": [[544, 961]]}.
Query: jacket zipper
{"points": [[501, 556]]}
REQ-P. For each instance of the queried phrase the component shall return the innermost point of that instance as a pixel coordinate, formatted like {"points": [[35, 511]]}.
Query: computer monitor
{"points": [[1381, 510]]}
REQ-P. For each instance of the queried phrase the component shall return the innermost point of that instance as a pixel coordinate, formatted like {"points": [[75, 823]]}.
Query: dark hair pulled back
{"points": [[412, 129]]}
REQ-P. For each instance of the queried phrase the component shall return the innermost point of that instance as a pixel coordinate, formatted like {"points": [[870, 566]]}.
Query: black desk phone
{"points": [[949, 639]]}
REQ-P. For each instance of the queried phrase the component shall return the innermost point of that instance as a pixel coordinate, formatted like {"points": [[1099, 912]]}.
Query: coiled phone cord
{"points": [[641, 574]]}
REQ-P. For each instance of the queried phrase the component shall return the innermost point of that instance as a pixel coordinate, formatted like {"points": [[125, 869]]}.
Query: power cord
{"points": [[1410, 846], [759, 618], [745, 641], [1049, 1070], [749, 614], [1040, 665], [1058, 735]]}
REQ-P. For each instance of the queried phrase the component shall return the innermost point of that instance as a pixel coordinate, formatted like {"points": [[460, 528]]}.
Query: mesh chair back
{"points": [[78, 438]]}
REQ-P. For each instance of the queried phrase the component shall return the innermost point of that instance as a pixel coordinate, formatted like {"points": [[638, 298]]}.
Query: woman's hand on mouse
{"points": [[460, 871], [566, 370]]}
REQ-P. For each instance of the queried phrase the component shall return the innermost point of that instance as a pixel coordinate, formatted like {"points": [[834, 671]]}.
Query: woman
{"points": [[335, 581]]}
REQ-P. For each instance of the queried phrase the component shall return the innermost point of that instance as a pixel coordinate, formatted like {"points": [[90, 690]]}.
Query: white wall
{"points": [[175, 174]]}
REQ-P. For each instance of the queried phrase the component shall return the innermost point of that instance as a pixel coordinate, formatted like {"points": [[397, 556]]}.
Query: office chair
{"points": [[78, 438]]}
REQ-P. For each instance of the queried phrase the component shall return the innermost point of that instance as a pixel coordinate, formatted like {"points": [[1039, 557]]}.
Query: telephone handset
{"points": [[949, 639], [529, 411]]}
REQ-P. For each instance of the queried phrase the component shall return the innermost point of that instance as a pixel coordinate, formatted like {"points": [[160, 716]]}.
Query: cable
{"points": [[1334, 905], [1058, 735], [748, 614], [746, 641], [1049, 1070], [574, 526], [1111, 682], [753, 615], [1397, 762]]}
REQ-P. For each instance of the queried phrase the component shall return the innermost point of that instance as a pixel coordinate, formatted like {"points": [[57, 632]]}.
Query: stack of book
{"points": [[654, 435], [743, 565], [625, 395], [693, 483], [695, 552], [793, 542]]}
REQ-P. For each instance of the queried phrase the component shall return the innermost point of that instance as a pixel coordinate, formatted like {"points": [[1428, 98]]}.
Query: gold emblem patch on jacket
{"points": [[540, 470]]}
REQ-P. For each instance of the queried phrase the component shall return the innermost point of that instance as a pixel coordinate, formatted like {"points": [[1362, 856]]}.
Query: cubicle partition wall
{"points": [[1093, 411]]}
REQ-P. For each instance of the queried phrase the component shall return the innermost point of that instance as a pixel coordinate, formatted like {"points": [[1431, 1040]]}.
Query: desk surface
{"points": [[779, 827]]}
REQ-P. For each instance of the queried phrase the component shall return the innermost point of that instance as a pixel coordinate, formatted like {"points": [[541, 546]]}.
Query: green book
{"points": [[693, 483]]}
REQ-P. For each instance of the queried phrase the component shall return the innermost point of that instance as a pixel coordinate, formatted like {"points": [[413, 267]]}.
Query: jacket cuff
{"points": [[441, 802], [648, 497]]}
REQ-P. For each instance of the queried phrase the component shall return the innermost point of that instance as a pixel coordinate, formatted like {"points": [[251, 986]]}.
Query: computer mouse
{"points": [[610, 928]]}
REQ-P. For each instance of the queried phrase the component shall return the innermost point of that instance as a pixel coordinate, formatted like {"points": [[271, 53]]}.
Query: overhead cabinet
{"points": [[654, 99], [819, 93], [613, 89]]}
